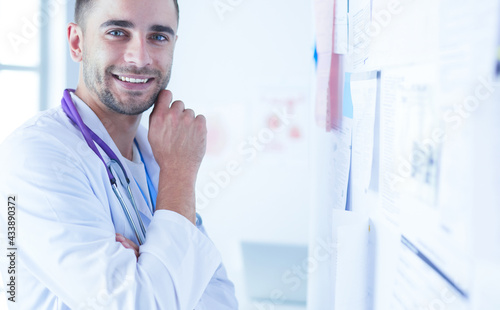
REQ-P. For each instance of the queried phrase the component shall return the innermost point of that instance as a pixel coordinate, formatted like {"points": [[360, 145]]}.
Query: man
{"points": [[68, 213]]}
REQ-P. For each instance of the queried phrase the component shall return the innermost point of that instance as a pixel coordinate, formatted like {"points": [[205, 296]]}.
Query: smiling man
{"points": [[105, 215]]}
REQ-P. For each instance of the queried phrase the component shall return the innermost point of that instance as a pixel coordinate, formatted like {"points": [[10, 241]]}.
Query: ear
{"points": [[175, 41], [75, 40]]}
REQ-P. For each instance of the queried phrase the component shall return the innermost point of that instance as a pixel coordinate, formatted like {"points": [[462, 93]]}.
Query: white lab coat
{"points": [[67, 218]]}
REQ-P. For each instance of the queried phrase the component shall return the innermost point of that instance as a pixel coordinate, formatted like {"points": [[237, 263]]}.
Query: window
{"points": [[23, 61]]}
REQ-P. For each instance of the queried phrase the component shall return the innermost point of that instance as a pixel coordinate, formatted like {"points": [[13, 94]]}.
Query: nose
{"points": [[137, 53]]}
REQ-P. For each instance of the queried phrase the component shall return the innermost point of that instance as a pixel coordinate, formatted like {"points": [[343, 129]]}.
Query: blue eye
{"points": [[116, 33], [159, 37]]}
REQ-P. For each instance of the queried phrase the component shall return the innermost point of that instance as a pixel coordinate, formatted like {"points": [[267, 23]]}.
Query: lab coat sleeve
{"points": [[66, 238], [219, 293]]}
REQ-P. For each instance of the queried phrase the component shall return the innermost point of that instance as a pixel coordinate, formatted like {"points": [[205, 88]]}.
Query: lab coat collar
{"points": [[94, 123]]}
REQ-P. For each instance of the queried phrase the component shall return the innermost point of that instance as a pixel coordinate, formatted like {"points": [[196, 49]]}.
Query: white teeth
{"points": [[132, 80]]}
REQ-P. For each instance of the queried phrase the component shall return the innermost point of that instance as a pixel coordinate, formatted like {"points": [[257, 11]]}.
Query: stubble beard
{"points": [[100, 84]]}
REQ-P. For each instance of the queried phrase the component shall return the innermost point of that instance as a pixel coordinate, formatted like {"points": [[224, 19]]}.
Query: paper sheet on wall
{"points": [[421, 284], [322, 89], [341, 37], [342, 163], [323, 13], [328, 109], [359, 15], [466, 67], [343, 149], [351, 237], [364, 100], [334, 108], [468, 32], [409, 161], [387, 176], [486, 199]]}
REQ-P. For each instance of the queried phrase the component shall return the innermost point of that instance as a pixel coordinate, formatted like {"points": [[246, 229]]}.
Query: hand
{"points": [[177, 137], [129, 244], [178, 140]]}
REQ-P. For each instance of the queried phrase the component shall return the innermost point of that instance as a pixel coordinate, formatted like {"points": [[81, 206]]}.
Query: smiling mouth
{"points": [[132, 80]]}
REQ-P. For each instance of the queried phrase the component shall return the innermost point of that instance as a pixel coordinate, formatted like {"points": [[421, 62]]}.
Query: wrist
{"points": [[178, 174], [176, 192]]}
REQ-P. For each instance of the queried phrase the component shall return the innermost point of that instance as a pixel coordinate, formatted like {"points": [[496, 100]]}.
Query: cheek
{"points": [[163, 58], [105, 55], [107, 59]]}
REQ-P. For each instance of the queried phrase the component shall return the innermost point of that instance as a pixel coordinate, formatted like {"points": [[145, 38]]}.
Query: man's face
{"points": [[128, 49]]}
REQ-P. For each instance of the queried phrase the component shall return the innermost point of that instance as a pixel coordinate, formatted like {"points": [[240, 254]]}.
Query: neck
{"points": [[122, 128]]}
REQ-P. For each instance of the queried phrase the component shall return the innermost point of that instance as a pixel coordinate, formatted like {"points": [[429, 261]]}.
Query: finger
{"points": [[163, 101], [134, 246], [201, 121], [119, 237], [129, 244], [189, 113], [124, 244], [178, 105], [123, 241], [165, 96]]}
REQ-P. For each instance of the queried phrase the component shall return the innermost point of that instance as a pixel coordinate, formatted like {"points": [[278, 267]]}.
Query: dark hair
{"points": [[84, 6]]}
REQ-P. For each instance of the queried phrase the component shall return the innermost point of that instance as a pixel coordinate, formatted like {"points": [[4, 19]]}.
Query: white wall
{"points": [[235, 68]]}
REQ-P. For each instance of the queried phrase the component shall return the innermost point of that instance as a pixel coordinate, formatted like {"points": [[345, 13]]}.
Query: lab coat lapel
{"points": [[94, 123]]}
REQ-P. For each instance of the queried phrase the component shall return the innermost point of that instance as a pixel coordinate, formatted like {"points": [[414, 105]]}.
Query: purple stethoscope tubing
{"points": [[70, 109], [91, 138]]}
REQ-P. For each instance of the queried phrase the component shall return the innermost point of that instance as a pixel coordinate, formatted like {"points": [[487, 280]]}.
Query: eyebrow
{"points": [[160, 28], [128, 24], [118, 23]]}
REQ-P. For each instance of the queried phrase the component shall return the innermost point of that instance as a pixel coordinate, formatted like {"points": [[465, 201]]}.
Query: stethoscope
{"points": [[114, 167]]}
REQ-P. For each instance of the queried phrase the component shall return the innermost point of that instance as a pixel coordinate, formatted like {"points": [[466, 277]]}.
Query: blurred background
{"points": [[248, 66], [303, 144]]}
